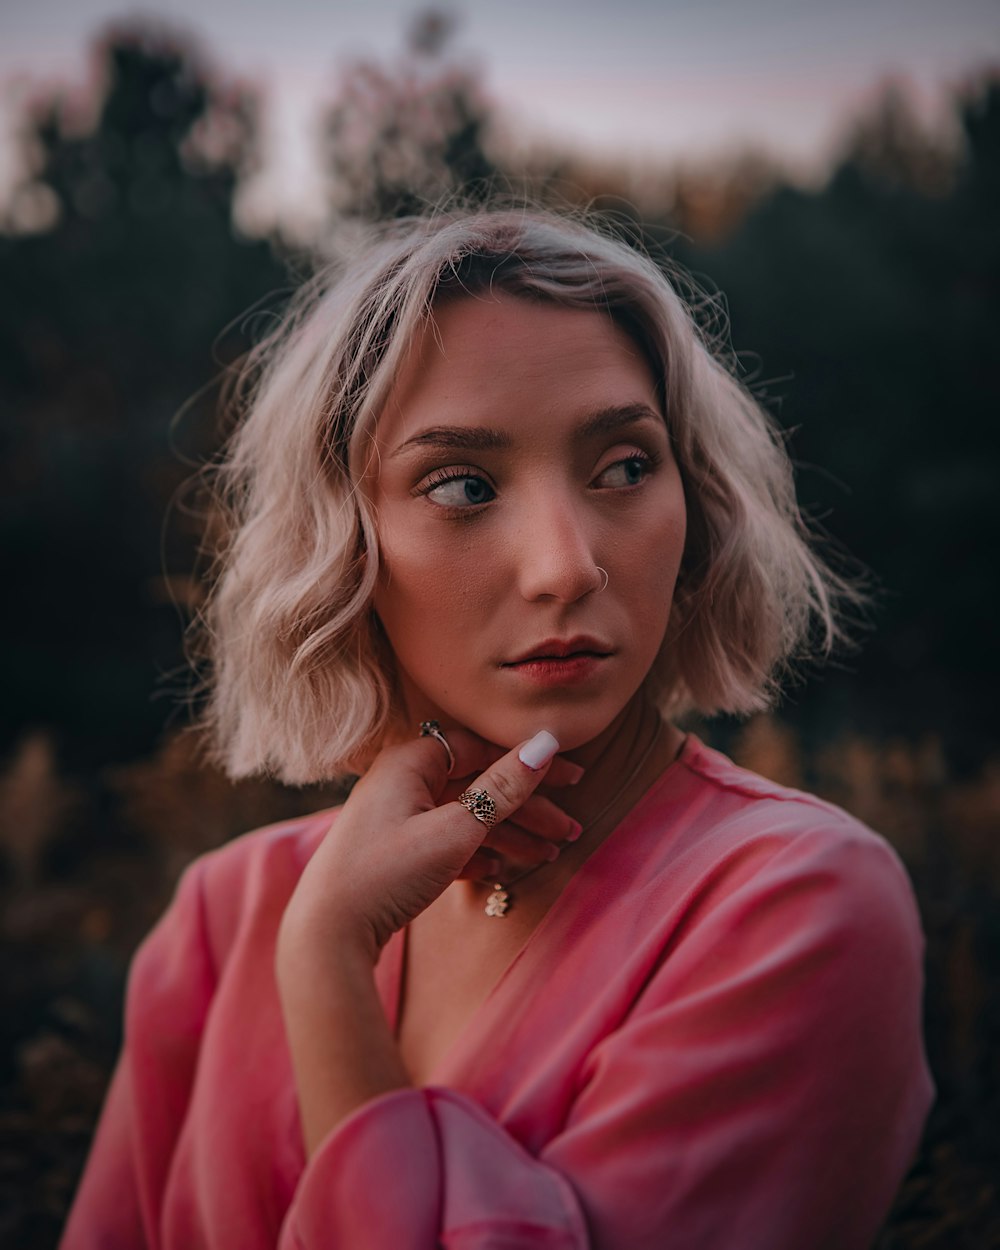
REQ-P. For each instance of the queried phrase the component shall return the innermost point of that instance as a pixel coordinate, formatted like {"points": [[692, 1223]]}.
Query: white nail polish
{"points": [[538, 750]]}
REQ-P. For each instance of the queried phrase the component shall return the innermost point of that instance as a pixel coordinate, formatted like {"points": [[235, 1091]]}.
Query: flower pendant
{"points": [[498, 901]]}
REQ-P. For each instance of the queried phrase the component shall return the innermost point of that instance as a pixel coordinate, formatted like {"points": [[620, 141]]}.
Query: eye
{"points": [[459, 490], [627, 472]]}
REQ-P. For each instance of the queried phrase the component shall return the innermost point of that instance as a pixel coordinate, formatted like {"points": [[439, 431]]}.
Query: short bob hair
{"points": [[300, 678]]}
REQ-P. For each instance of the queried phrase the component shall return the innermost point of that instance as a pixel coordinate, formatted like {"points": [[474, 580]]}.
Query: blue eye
{"points": [[460, 490], [628, 472]]}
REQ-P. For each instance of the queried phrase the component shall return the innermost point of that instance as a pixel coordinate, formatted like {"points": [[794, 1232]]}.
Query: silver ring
{"points": [[432, 729], [606, 578], [480, 804]]}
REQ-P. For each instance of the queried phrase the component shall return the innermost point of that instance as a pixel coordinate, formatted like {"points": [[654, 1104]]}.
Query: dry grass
{"points": [[88, 866]]}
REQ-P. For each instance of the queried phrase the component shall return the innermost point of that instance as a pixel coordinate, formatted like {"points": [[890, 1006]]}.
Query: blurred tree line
{"points": [[879, 299], [128, 293], [117, 312]]}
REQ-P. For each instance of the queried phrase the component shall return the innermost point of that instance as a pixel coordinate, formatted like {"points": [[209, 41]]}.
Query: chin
{"points": [[572, 727]]}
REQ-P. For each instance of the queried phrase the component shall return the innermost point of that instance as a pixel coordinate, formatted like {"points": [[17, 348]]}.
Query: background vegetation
{"points": [[871, 308]]}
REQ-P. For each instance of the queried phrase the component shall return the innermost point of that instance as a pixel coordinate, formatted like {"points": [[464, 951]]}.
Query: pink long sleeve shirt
{"points": [[712, 1040]]}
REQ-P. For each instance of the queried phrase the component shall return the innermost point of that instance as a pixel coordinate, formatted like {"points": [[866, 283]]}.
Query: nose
{"points": [[556, 553]]}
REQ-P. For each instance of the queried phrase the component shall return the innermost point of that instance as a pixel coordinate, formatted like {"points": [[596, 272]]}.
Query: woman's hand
{"points": [[396, 845], [399, 842]]}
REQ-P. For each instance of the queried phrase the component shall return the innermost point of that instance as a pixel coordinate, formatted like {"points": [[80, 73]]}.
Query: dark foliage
{"points": [[875, 305], [401, 139], [112, 319]]}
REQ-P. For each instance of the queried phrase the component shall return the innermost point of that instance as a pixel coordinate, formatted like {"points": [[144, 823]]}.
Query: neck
{"points": [[621, 762], [610, 758]]}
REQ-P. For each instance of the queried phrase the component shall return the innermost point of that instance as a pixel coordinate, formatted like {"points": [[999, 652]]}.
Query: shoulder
{"points": [[754, 798], [283, 848], [745, 808], [786, 914], [251, 877], [779, 850]]}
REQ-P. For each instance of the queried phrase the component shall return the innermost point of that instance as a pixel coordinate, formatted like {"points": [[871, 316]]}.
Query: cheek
{"points": [[650, 549], [671, 536], [424, 589], [650, 562]]}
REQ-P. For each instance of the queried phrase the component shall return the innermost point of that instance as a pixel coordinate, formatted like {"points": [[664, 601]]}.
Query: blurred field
{"points": [[87, 873]]}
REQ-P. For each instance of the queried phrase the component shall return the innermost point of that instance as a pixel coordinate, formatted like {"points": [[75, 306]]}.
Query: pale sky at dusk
{"points": [[637, 78]]}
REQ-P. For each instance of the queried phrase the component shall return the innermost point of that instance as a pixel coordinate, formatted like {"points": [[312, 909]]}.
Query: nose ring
{"points": [[606, 578]]}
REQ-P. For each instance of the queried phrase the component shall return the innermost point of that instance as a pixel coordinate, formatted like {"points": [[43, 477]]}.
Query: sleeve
{"points": [[170, 984], [767, 1092]]}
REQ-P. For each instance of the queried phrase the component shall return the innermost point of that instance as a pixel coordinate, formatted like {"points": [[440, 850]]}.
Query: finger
{"points": [[540, 816], [517, 846], [483, 866], [509, 782], [521, 849], [563, 772], [537, 815], [429, 758], [472, 755]]}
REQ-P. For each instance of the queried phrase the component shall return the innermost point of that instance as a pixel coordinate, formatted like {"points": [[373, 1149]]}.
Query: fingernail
{"points": [[575, 831], [538, 750], [552, 852], [577, 776]]}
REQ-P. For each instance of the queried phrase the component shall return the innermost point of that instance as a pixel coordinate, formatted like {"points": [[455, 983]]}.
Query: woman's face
{"points": [[523, 449]]}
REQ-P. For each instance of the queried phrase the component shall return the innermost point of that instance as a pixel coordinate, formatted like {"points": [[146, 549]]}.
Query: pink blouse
{"points": [[712, 1040]]}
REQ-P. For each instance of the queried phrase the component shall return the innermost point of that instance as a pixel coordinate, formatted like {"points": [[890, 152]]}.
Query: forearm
{"points": [[343, 1053]]}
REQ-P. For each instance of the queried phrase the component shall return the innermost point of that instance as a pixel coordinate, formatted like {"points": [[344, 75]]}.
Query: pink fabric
{"points": [[711, 1040]]}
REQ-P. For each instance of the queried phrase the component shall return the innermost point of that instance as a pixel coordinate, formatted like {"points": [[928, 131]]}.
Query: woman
{"points": [[556, 974]]}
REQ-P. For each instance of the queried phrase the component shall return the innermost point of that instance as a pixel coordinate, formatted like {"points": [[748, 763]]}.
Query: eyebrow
{"points": [[486, 438]]}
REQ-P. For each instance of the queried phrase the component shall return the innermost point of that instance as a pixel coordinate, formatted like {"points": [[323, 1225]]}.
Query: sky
{"points": [[639, 80]]}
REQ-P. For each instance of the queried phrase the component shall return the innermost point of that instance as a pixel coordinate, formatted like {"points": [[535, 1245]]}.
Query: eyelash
{"points": [[441, 476], [648, 462]]}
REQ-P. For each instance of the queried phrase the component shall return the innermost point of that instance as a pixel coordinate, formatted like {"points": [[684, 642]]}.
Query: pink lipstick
{"points": [[561, 661]]}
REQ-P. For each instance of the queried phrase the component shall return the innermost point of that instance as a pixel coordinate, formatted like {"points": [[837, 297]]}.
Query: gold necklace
{"points": [[500, 897]]}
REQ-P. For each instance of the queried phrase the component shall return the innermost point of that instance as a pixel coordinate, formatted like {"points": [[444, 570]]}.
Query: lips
{"points": [[562, 648]]}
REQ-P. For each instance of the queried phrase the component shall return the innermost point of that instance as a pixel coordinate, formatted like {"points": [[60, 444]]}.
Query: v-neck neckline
{"points": [[391, 968]]}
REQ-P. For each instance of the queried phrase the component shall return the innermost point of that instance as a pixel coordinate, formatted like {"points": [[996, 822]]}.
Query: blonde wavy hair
{"points": [[299, 677]]}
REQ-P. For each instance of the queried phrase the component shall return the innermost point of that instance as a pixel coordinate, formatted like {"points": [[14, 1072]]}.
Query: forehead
{"points": [[503, 359]]}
